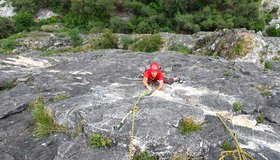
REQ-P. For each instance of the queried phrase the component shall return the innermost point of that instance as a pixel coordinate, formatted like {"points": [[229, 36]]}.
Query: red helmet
{"points": [[154, 67]]}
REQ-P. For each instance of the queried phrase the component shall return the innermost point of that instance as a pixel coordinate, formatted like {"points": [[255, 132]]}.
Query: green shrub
{"points": [[237, 106], [8, 44], [7, 27], [150, 43], [27, 5], [61, 97], [274, 10], [132, 6], [259, 24], [8, 85], [227, 146], [267, 17], [119, 25], [97, 26], [62, 7], [34, 5], [143, 27], [261, 117], [98, 140], [50, 20], [108, 40], [143, 156], [272, 31], [62, 35], [127, 41], [72, 20], [98, 9], [181, 49], [43, 120], [76, 40], [23, 21], [185, 23], [188, 125], [268, 65]]}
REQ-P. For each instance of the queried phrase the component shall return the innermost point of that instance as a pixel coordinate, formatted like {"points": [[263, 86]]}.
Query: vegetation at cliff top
{"points": [[141, 16]]}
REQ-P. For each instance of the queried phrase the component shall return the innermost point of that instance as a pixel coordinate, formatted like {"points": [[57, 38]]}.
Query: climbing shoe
{"points": [[179, 80]]}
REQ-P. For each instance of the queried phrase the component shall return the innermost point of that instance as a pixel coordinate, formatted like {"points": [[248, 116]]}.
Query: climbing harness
{"points": [[134, 109], [241, 154]]}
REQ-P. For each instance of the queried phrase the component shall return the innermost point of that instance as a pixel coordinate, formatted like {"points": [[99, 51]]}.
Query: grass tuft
{"points": [[98, 140], [8, 85], [181, 49], [227, 146], [187, 125], [61, 97], [78, 129], [143, 156], [226, 73], [237, 106], [264, 91], [76, 39], [261, 117], [44, 123], [186, 155]]}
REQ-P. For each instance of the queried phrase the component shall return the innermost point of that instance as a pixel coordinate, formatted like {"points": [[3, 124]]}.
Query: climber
{"points": [[154, 74]]}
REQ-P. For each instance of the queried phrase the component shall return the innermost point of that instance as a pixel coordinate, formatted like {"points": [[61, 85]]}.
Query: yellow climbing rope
{"points": [[241, 154], [134, 109]]}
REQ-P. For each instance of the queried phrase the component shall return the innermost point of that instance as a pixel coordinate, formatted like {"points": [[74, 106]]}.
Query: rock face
{"points": [[7, 10], [41, 41], [105, 84], [45, 14], [239, 45]]}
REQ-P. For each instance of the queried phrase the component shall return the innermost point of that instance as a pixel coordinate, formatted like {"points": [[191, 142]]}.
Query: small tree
{"points": [[119, 25]]}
